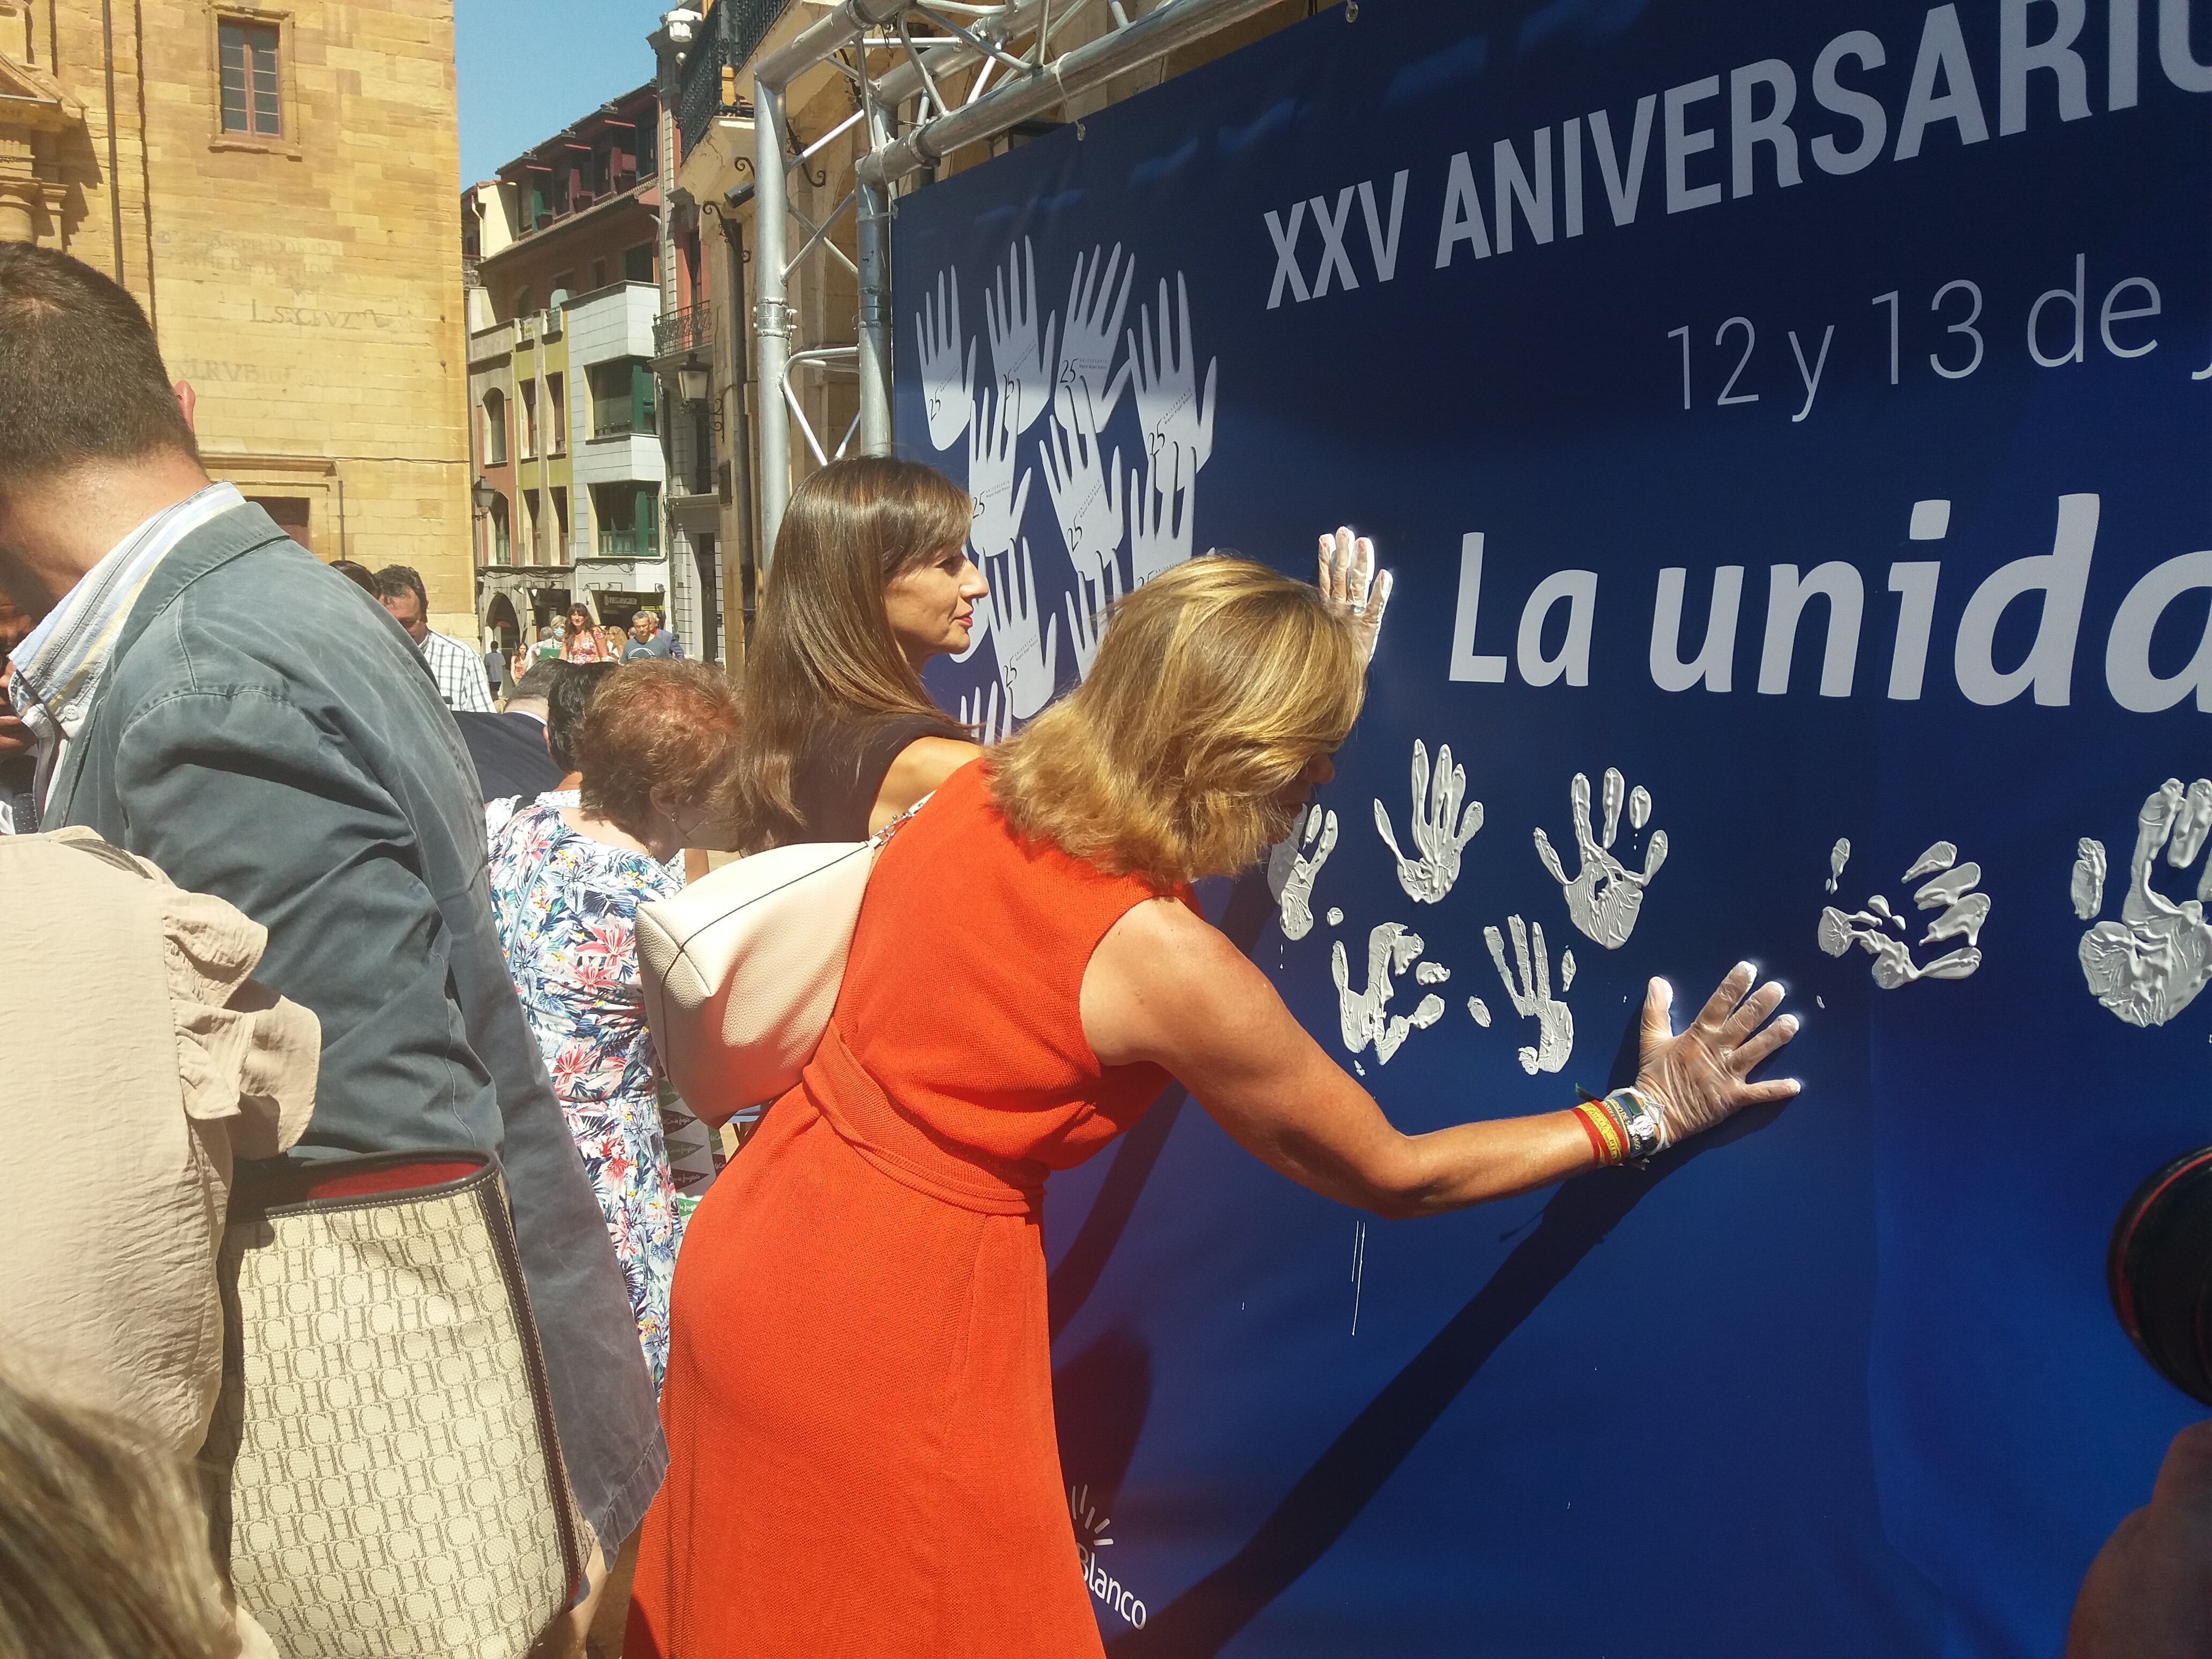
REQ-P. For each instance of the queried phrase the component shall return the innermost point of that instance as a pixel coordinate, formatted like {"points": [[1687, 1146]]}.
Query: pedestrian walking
{"points": [[460, 675], [583, 643]]}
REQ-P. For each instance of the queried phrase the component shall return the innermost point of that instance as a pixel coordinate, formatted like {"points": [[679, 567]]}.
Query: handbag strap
{"points": [[883, 835]]}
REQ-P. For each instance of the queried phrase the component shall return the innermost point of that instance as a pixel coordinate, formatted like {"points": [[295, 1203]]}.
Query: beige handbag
{"points": [[741, 968], [398, 1488]]}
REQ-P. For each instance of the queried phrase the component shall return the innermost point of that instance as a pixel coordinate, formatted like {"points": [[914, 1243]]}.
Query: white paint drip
{"points": [[1432, 973], [1363, 1016], [1292, 865], [1440, 830], [1878, 929], [2087, 888], [1567, 972], [1335, 917], [1605, 896], [1359, 1268], [1839, 856], [1480, 1011], [1532, 997], [2150, 964]]}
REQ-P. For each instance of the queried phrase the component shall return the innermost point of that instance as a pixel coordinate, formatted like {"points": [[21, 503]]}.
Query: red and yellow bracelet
{"points": [[1608, 1141]]}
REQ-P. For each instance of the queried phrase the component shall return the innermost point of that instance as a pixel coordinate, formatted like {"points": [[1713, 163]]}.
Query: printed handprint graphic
{"points": [[1086, 613], [1365, 1014], [1176, 416], [1028, 660], [1086, 389], [1020, 358], [998, 503], [948, 379], [1531, 996], [989, 719], [1879, 930], [1159, 525], [1086, 498], [2149, 965], [1440, 831], [1292, 865], [1605, 896]]}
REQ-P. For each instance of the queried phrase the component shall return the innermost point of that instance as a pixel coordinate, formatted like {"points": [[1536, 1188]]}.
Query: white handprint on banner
{"points": [[947, 377], [1086, 614], [998, 503], [1440, 831], [1027, 658], [1021, 358], [1605, 896], [1294, 863], [1364, 1015], [1177, 418], [1087, 388], [1159, 525], [1531, 996], [2150, 964], [1086, 498], [987, 717], [1879, 929]]}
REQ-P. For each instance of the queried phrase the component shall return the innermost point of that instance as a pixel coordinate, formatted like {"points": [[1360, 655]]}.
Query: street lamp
{"points": [[691, 380], [484, 495]]}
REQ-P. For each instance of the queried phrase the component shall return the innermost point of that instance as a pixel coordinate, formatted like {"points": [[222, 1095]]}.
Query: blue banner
{"points": [[1789, 427]]}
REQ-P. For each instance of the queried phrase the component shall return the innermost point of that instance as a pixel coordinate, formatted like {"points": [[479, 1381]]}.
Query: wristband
{"points": [[1608, 1141], [1640, 1122]]}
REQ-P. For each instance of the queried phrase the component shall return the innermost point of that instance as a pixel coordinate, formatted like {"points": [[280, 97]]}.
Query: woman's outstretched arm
{"points": [[1166, 988]]}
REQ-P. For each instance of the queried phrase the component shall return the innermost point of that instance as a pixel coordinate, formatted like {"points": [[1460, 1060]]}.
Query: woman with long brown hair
{"points": [[872, 577], [859, 1402]]}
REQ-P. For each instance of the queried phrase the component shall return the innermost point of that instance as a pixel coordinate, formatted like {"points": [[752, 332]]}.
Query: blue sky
{"points": [[527, 68]]}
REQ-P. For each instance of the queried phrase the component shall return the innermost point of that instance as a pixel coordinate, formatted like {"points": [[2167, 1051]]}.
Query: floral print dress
{"points": [[566, 908]]}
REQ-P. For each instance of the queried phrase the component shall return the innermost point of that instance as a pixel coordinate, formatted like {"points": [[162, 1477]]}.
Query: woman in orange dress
{"points": [[858, 1400]]}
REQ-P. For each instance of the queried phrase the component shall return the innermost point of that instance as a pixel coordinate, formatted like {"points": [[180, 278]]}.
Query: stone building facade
{"points": [[275, 185]]}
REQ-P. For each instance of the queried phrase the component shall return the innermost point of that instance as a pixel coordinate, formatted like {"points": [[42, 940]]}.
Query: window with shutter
{"points": [[643, 417]]}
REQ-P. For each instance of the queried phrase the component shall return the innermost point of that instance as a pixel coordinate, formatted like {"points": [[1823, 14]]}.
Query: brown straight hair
{"points": [[822, 650], [81, 378]]}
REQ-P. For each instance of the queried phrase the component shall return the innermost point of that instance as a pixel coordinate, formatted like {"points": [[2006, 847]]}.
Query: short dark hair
{"points": [[358, 575], [395, 579], [539, 679], [659, 724], [82, 379], [565, 705]]}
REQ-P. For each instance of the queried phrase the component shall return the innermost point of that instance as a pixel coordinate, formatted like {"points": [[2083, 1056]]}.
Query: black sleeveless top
{"points": [[839, 770]]}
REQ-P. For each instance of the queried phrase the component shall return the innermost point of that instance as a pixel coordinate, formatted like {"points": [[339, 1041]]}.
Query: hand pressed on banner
{"points": [[1027, 658], [948, 377], [1349, 581], [1698, 1078], [999, 502], [1087, 388], [1021, 359]]}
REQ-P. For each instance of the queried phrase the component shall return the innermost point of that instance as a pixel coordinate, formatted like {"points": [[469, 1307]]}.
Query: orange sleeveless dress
{"points": [[859, 1402]]}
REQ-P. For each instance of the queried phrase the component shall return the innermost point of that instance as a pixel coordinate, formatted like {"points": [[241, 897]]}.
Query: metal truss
{"points": [[927, 77]]}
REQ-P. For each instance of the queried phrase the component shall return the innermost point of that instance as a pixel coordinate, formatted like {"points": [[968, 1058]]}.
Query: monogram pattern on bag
{"points": [[391, 1493]]}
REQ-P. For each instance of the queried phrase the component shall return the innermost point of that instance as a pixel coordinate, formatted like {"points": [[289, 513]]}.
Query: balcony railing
{"points": [[731, 35], [689, 330], [629, 544]]}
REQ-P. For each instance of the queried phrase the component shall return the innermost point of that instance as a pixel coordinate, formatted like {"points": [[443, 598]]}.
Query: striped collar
{"points": [[59, 665]]}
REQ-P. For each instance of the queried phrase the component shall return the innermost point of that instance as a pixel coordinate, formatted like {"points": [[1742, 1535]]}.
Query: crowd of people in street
{"points": [[308, 896]]}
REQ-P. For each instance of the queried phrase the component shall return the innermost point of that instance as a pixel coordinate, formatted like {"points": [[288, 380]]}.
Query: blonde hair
{"points": [[1216, 684], [823, 649]]}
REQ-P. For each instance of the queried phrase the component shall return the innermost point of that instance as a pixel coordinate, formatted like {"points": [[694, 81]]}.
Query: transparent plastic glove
{"points": [[1350, 581], [1698, 1078]]}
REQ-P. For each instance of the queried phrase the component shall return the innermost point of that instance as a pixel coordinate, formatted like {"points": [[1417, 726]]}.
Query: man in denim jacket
{"points": [[208, 695]]}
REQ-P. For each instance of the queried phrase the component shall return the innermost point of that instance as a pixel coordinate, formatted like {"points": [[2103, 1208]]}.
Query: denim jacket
{"points": [[265, 733]]}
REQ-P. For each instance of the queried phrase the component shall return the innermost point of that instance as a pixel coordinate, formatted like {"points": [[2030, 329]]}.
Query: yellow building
{"points": [[275, 185]]}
